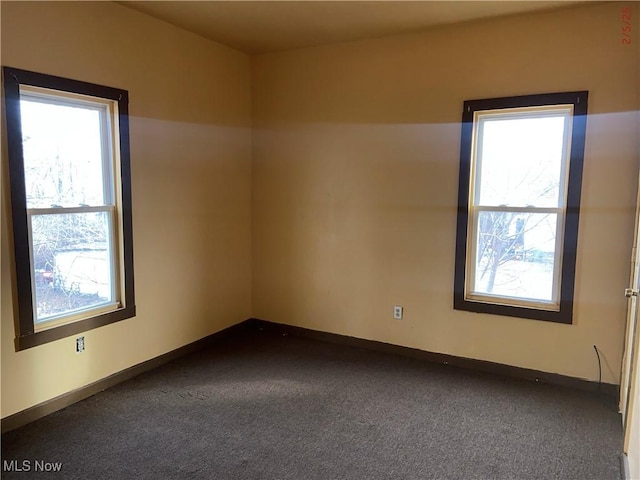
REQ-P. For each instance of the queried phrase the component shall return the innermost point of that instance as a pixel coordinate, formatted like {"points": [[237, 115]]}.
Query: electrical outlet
{"points": [[397, 312], [79, 344]]}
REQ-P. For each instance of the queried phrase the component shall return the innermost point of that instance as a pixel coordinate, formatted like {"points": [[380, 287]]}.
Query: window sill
{"points": [[52, 334], [563, 315]]}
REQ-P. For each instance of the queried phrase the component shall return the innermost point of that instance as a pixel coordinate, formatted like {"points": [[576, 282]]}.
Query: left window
{"points": [[69, 168]]}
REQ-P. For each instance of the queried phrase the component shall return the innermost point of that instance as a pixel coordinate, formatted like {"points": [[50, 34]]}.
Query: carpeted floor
{"points": [[269, 406]]}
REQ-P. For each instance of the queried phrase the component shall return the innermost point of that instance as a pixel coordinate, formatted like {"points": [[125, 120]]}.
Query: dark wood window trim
{"points": [[567, 279], [26, 336]]}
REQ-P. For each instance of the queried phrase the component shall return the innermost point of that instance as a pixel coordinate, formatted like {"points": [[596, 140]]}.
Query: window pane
{"points": [[62, 155], [520, 161], [72, 263], [515, 255]]}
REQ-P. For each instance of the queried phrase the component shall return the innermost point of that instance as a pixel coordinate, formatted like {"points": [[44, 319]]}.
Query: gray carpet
{"points": [[268, 406]]}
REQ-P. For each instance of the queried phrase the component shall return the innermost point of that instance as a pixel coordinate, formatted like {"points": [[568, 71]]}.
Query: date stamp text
{"points": [[626, 25]]}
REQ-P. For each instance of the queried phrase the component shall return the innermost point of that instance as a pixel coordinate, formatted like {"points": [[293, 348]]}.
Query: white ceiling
{"points": [[265, 26]]}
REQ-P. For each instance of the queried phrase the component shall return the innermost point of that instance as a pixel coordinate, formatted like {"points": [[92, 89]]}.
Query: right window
{"points": [[518, 205]]}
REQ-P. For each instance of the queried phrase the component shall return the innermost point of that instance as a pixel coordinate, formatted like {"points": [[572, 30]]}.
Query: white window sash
{"points": [[472, 244], [114, 270]]}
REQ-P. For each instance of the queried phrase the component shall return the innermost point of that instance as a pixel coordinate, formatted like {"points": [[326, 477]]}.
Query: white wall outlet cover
{"points": [[79, 344], [397, 312]]}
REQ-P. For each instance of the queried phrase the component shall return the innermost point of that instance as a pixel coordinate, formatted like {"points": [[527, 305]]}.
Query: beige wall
{"points": [[190, 155], [355, 170]]}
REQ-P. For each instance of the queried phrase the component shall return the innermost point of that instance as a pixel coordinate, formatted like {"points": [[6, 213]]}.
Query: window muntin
{"points": [[71, 204], [521, 170]]}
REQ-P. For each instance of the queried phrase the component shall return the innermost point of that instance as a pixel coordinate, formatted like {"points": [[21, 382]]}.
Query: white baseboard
{"points": [[624, 460]]}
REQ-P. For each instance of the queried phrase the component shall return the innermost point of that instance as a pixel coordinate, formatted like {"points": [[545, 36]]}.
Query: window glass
{"points": [[516, 255], [72, 263], [521, 161], [63, 157]]}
